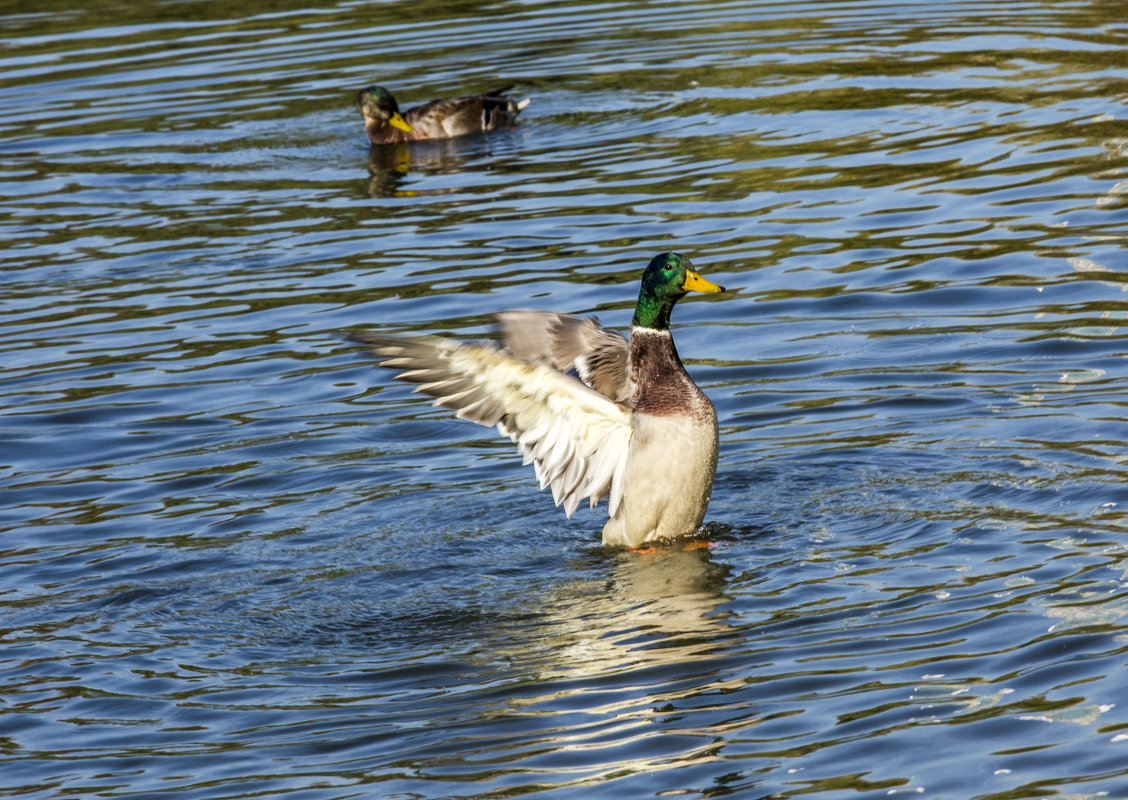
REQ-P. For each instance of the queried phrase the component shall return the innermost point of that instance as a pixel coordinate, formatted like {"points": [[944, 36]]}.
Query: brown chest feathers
{"points": [[662, 386]]}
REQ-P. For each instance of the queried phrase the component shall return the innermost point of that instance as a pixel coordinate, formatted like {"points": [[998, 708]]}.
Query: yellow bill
{"points": [[695, 283], [396, 120]]}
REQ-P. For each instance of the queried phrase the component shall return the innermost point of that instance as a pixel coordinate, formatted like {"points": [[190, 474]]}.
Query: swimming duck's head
{"points": [[666, 280], [377, 103]]}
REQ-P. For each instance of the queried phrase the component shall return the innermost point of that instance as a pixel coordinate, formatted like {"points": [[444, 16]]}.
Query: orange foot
{"points": [[648, 550]]}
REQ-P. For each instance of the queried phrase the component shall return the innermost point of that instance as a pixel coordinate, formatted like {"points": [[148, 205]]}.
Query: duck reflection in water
{"points": [[390, 164], [663, 603], [617, 661]]}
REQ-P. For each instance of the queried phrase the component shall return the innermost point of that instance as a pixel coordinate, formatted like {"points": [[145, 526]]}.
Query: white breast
{"points": [[668, 480]]}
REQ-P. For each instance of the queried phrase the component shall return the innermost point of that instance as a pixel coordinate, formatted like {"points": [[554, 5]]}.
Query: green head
{"points": [[377, 103], [667, 278]]}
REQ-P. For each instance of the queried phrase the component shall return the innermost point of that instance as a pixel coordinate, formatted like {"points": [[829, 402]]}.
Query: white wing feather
{"points": [[576, 438]]}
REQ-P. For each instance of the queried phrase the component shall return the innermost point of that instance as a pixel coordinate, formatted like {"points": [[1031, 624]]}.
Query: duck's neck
{"points": [[652, 313], [383, 133], [662, 386]]}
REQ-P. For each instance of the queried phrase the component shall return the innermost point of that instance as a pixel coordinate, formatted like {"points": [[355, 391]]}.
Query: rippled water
{"points": [[236, 562]]}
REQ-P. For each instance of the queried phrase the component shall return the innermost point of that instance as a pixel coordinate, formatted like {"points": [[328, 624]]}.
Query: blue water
{"points": [[237, 561]]}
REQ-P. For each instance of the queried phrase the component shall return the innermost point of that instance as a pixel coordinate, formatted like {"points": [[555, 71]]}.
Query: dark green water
{"points": [[236, 562]]}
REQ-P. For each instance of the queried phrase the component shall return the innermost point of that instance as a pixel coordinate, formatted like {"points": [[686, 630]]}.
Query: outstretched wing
{"points": [[599, 356], [575, 437]]}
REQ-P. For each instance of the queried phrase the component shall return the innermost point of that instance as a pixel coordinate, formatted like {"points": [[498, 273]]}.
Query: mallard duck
{"points": [[439, 119], [633, 427]]}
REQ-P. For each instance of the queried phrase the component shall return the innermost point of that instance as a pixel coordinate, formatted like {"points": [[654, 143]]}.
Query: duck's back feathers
{"points": [[576, 439], [441, 119], [599, 356]]}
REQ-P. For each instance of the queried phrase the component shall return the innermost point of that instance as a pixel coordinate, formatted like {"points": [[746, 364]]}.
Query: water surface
{"points": [[236, 562]]}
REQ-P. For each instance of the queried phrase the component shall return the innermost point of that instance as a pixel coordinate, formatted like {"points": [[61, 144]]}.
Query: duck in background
{"points": [[439, 119]]}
